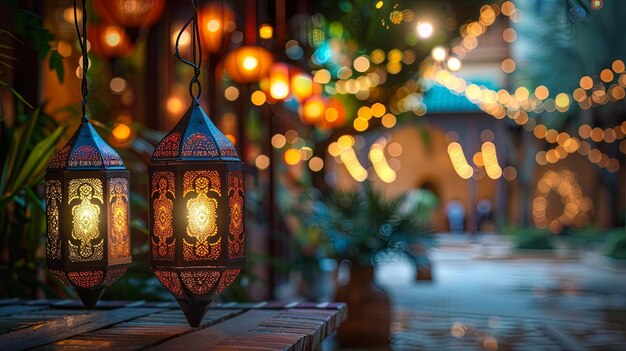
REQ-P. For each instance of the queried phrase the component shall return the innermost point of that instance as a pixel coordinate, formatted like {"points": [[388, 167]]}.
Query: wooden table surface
{"points": [[118, 325]]}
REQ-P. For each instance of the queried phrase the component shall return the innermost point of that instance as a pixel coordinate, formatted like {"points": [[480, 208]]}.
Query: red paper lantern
{"points": [[130, 13], [217, 23], [248, 64]]}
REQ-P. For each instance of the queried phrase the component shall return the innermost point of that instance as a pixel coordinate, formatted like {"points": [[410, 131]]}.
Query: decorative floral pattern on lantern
{"points": [[248, 64], [109, 40], [217, 23], [88, 231], [130, 13], [197, 235]]}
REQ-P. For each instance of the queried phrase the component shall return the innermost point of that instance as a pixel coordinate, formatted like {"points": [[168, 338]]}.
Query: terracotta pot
{"points": [[369, 310]]}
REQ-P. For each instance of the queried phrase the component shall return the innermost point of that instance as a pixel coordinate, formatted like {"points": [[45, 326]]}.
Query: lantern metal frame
{"points": [[87, 169], [197, 202]]}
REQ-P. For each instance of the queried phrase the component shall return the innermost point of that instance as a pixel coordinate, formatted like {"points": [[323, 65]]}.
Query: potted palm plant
{"points": [[363, 227]]}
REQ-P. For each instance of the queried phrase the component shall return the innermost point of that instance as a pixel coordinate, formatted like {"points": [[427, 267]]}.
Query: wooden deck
{"points": [[62, 324]]}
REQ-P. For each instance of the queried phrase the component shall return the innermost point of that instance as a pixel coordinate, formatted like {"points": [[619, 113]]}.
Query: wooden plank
{"points": [[141, 332], [68, 326], [203, 339]]}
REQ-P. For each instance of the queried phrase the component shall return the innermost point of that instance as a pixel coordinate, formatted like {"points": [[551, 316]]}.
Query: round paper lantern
{"points": [[217, 23], [248, 64], [130, 13], [87, 213], [109, 40], [197, 240]]}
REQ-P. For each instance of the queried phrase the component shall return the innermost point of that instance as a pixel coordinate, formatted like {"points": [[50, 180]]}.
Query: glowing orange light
{"points": [[121, 132], [312, 110], [248, 64], [266, 31], [279, 81]]}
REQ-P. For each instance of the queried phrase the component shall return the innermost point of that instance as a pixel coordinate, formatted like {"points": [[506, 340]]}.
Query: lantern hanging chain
{"points": [[82, 41], [196, 50]]}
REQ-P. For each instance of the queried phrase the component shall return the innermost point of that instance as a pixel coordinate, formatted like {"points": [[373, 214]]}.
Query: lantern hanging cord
{"points": [[82, 41], [196, 50]]}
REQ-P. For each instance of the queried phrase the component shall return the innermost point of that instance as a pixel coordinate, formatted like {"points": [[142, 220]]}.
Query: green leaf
{"points": [[15, 93], [55, 62], [17, 150], [32, 170]]}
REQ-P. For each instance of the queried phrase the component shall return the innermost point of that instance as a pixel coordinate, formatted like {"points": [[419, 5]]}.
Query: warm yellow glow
{"points": [[278, 141], [361, 64], [291, 156], [388, 120], [488, 151], [266, 31], [331, 114], [454, 64], [509, 35], [279, 90], [478, 159], [316, 164], [302, 86], [231, 93], [360, 124], [213, 25], [586, 83], [64, 48], [117, 85], [541, 92], [508, 65], [258, 98], [262, 162], [354, 167], [313, 109], [364, 112], [112, 36], [174, 105], [121, 132], [424, 29], [379, 162], [82, 196], [379, 4], [185, 38], [250, 62], [439, 53], [68, 15], [521, 93], [606, 75], [345, 141], [562, 100], [322, 76], [378, 109], [462, 168]]}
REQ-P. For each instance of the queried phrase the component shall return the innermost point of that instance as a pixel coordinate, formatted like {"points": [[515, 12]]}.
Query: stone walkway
{"points": [[482, 298]]}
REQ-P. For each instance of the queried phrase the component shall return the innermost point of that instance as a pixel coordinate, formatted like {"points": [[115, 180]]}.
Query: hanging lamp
{"points": [[197, 240], [87, 205]]}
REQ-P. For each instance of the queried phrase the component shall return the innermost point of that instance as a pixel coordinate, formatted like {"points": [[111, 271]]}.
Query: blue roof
{"points": [[439, 99]]}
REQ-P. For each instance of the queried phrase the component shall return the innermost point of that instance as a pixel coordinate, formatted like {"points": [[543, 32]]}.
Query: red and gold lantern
{"points": [[87, 212], [130, 13], [197, 235], [248, 64]]}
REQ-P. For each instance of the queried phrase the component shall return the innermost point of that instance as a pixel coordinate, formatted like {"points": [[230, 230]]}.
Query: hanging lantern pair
{"points": [[196, 213]]}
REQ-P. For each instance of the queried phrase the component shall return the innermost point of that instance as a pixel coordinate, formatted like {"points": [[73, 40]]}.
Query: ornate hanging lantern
{"points": [[130, 13], [87, 208], [197, 240]]}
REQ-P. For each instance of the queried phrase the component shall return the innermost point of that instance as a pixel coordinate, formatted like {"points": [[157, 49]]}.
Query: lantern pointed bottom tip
{"points": [[194, 311], [90, 297]]}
